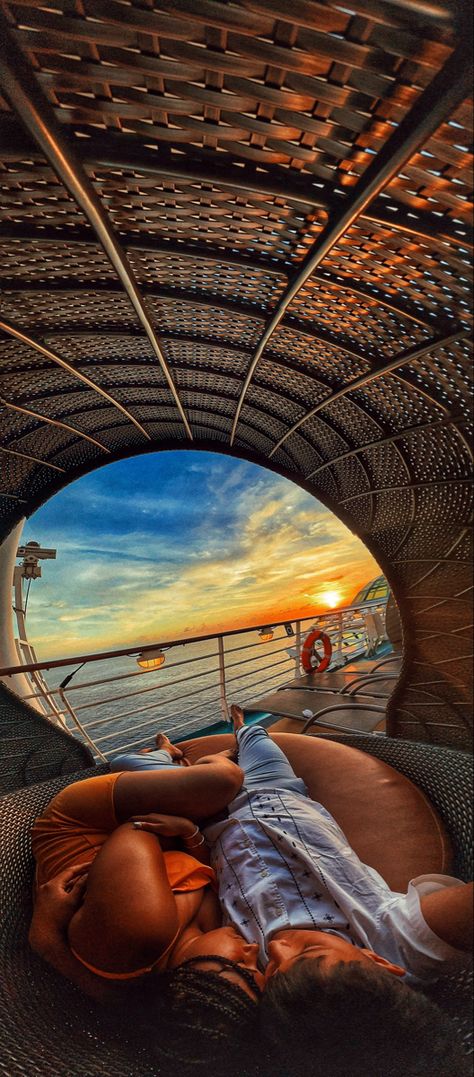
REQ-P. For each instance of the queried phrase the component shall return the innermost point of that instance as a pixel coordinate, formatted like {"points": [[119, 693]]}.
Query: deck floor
{"points": [[362, 711]]}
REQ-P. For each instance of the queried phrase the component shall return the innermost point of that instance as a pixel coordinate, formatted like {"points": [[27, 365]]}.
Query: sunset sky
{"points": [[183, 543]]}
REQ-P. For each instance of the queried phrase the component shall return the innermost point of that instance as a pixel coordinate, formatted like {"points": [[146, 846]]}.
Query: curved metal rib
{"points": [[200, 299], [424, 485], [277, 360], [450, 86], [387, 440], [35, 344], [53, 422], [35, 459], [30, 104], [384, 368]]}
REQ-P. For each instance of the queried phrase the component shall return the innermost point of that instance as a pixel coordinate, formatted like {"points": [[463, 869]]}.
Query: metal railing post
{"points": [[81, 727], [223, 700], [338, 654], [298, 648]]}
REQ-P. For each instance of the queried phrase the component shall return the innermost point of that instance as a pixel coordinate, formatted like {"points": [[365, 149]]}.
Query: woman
{"points": [[143, 902], [135, 924]]}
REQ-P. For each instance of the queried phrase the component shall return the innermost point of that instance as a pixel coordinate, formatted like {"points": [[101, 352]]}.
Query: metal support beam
{"points": [[227, 345], [390, 439], [53, 422], [29, 102], [232, 381], [18, 334], [384, 368], [450, 86], [204, 391], [230, 378], [34, 459]]}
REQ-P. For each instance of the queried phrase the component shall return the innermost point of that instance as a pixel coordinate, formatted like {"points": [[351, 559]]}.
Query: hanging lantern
{"points": [[265, 634], [151, 659]]}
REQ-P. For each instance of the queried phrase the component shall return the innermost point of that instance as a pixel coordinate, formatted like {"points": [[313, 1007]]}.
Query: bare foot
{"points": [[237, 716], [162, 741]]}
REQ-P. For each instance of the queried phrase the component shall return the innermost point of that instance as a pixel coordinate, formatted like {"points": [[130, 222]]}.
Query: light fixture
{"points": [[265, 634], [151, 659]]}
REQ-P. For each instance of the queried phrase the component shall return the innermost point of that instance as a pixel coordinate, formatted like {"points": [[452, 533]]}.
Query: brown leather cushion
{"points": [[387, 820]]}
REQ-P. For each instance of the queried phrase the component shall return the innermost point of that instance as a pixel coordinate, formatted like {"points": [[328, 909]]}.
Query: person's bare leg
{"points": [[237, 716], [195, 792], [162, 741]]}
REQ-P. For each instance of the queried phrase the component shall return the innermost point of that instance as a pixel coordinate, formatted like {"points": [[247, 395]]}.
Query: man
{"points": [[338, 947], [339, 950]]}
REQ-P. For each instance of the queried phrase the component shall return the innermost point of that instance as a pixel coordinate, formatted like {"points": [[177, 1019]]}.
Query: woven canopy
{"points": [[245, 227]]}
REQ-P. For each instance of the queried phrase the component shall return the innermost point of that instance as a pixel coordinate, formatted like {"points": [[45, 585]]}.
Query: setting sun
{"points": [[331, 598]]}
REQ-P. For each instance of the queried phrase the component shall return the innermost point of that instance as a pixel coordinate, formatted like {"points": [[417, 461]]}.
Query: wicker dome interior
{"points": [[246, 227]]}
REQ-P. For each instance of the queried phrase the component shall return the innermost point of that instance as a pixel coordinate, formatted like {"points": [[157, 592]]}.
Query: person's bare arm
{"points": [[129, 915], [194, 792], [172, 827], [56, 902], [449, 913]]}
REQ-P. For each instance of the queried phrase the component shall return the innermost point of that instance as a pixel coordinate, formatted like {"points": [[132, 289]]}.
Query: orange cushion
{"points": [[387, 820]]}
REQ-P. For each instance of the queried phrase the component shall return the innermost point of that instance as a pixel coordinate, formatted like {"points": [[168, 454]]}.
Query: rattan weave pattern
{"points": [[90, 309], [223, 144], [26, 261], [33, 751], [30, 262], [423, 274], [48, 1027], [384, 331]]}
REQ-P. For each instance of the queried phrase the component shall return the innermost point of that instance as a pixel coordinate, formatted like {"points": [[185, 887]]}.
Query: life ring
{"points": [[307, 653]]}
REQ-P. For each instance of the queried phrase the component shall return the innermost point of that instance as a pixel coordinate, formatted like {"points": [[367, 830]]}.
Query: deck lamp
{"points": [[265, 634], [151, 659]]}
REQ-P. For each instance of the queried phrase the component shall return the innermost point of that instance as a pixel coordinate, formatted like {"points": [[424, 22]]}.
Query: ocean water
{"points": [[181, 697], [121, 707]]}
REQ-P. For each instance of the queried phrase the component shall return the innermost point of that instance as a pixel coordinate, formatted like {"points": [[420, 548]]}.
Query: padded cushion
{"points": [[387, 820]]}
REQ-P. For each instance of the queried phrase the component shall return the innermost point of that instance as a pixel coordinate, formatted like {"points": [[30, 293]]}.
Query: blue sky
{"points": [[183, 543]]}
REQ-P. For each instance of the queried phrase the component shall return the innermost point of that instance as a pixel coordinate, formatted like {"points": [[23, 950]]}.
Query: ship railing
{"points": [[121, 709]]}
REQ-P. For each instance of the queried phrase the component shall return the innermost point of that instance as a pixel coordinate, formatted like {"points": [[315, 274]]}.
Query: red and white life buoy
{"points": [[308, 658]]}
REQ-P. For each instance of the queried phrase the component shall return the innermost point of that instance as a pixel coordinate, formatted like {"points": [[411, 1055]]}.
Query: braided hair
{"points": [[199, 1019]]}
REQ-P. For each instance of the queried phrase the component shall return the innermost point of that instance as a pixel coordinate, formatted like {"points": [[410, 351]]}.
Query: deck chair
{"points": [[289, 712], [49, 1029], [351, 698]]}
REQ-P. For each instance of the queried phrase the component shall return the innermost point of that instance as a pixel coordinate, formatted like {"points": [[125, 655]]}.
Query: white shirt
{"points": [[282, 861]]}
